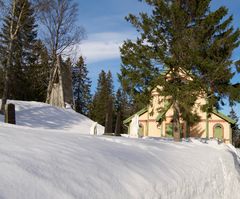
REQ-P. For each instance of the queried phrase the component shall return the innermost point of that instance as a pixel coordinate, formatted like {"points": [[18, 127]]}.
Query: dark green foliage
{"points": [[118, 127], [22, 48], [119, 109], [109, 117], [186, 49], [235, 128], [123, 109], [81, 87], [103, 100], [38, 73]]}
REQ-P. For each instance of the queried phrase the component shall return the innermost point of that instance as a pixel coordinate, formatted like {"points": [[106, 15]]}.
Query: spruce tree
{"points": [[123, 108], [38, 73], [119, 110], [109, 106], [109, 116], [102, 105], [235, 128], [81, 87], [186, 49]]}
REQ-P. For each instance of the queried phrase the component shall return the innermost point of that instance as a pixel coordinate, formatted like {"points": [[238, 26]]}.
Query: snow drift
{"points": [[46, 158], [45, 116], [42, 164]]}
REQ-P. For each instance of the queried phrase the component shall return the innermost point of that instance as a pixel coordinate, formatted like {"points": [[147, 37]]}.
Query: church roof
{"points": [[164, 111], [224, 117], [142, 111]]}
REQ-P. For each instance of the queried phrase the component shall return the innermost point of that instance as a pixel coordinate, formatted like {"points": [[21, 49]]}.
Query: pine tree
{"points": [[81, 87], [186, 49], [17, 40], [102, 105], [235, 128]]}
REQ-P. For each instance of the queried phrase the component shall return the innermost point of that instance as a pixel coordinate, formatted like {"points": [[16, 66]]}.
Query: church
{"points": [[154, 123]]}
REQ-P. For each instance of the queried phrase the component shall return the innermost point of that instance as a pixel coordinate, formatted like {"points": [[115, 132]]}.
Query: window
{"points": [[218, 131]]}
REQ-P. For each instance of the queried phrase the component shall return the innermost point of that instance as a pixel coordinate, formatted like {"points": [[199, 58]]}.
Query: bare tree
{"points": [[3, 8], [59, 19], [60, 31], [1, 4], [15, 25]]}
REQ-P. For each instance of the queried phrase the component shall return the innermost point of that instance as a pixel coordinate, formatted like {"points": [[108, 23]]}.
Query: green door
{"points": [[218, 131]]}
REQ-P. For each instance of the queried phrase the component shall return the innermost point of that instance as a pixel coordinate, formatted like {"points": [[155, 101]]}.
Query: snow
{"points": [[53, 161], [45, 116]]}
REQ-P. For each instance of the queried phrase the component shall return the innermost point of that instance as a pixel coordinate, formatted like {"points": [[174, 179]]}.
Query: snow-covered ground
{"points": [[43, 163], [45, 116]]}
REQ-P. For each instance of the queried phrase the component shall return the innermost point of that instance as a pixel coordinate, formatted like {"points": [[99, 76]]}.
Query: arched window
{"points": [[218, 131]]}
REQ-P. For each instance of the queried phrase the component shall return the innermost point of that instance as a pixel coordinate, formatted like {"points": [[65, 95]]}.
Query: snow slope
{"points": [[38, 163], [48, 156], [45, 116]]}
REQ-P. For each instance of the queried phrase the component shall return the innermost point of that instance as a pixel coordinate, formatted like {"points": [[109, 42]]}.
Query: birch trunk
{"points": [[12, 36], [6, 80]]}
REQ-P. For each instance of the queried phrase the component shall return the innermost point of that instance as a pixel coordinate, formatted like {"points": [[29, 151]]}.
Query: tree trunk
{"points": [[176, 122], [50, 83], [108, 121], [13, 33], [5, 92], [118, 124], [6, 79], [187, 129], [106, 130]]}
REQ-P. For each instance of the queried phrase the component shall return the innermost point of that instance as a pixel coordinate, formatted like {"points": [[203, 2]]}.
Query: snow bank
{"points": [[45, 116], [38, 163], [46, 156]]}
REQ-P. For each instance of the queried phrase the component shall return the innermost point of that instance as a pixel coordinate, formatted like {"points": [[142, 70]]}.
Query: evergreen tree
{"points": [[235, 128], [81, 87], [109, 106], [119, 109], [109, 117], [123, 109], [102, 105], [17, 39], [38, 73], [186, 49]]}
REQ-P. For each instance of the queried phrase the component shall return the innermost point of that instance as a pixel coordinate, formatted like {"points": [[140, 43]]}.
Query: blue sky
{"points": [[106, 30]]}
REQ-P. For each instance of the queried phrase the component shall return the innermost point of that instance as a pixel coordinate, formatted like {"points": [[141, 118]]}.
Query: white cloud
{"points": [[102, 46]]}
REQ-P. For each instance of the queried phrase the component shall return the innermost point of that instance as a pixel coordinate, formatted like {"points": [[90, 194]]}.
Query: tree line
{"points": [[33, 33], [107, 107]]}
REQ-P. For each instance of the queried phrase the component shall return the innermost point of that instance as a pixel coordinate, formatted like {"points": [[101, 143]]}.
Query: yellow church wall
{"points": [[198, 130], [154, 129]]}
